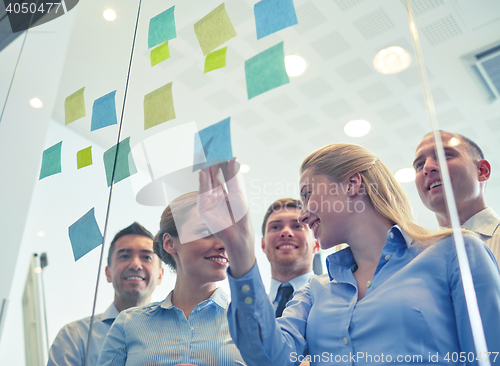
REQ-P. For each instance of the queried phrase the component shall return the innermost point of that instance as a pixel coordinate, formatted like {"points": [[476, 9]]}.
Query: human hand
{"points": [[225, 213]]}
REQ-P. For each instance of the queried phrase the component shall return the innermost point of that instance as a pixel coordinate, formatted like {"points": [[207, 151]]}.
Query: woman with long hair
{"points": [[190, 326], [395, 295]]}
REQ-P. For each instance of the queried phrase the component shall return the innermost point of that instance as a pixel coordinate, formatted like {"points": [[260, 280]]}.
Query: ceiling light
{"points": [[405, 175], [295, 65], [244, 168], [36, 103], [357, 128], [40, 234], [109, 15], [391, 60], [454, 141]]}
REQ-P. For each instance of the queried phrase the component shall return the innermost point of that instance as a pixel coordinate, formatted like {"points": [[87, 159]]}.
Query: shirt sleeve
{"points": [[114, 350], [260, 337], [486, 278], [68, 348]]}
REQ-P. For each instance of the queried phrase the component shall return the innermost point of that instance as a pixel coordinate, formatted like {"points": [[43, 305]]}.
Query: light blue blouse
{"points": [[160, 334], [413, 312]]}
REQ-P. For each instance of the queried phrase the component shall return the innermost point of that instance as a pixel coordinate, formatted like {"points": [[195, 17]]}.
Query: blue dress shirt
{"points": [[160, 334], [413, 312], [70, 345], [296, 283]]}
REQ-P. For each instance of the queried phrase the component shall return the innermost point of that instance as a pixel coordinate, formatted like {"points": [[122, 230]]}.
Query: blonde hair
{"points": [[340, 161], [179, 208]]}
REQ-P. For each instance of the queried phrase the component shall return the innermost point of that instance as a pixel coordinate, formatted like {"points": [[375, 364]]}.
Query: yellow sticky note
{"points": [[160, 54], [84, 158], [158, 106], [215, 60], [74, 107], [214, 29]]}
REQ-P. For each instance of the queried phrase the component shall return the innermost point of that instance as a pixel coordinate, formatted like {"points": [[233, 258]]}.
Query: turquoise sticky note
{"points": [[104, 112], [162, 28], [273, 15], [124, 167], [215, 144], [266, 71], [51, 161], [84, 235]]}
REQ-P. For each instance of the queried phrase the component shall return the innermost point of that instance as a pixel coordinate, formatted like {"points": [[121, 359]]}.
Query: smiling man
{"points": [[290, 247], [469, 172], [134, 270]]}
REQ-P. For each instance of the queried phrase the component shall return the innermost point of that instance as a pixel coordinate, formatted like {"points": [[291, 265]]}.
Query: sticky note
{"points": [[124, 166], [215, 60], [173, 149], [215, 144], [84, 158], [162, 28], [74, 107], [104, 112], [266, 71], [214, 29], [273, 15], [158, 106], [85, 235], [51, 161], [159, 54]]}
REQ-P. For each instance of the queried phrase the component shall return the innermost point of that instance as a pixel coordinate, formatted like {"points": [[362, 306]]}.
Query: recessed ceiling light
{"points": [[244, 168], [454, 141], [391, 60], [41, 234], [295, 65], [405, 175], [109, 15], [36, 103], [357, 128]]}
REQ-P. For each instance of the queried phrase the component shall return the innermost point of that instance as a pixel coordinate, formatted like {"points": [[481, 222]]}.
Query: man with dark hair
{"points": [[134, 270], [290, 247], [469, 172]]}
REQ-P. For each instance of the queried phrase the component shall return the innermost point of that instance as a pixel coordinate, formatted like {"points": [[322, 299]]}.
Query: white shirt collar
{"points": [[296, 283], [485, 222]]}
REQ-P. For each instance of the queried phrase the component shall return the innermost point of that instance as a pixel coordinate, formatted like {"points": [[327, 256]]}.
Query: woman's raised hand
{"points": [[226, 214]]}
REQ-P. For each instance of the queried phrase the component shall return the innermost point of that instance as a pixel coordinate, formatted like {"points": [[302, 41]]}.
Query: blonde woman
{"points": [[395, 295], [190, 326]]}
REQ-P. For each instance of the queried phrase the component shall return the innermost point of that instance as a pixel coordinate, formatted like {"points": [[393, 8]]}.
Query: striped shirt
{"points": [[160, 334]]}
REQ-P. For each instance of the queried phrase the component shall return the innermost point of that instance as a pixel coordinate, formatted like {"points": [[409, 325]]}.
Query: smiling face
{"points": [[467, 177], [135, 270], [202, 259], [287, 242]]}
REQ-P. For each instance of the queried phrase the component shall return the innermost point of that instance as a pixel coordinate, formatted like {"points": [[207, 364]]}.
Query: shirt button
{"points": [[369, 283], [345, 341], [387, 257], [391, 235], [248, 300], [245, 288]]}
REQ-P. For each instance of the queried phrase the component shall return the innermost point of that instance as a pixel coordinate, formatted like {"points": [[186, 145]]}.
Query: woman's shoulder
{"points": [[138, 311]]}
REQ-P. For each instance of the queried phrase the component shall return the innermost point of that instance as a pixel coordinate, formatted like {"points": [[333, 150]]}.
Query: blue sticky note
{"points": [[85, 235], [162, 28], [51, 161], [124, 167], [273, 15], [266, 71], [216, 145], [104, 112]]}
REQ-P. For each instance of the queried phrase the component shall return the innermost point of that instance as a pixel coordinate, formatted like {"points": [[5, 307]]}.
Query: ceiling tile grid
{"points": [[222, 99], [330, 45], [280, 104], [420, 7], [374, 24], [303, 124], [346, 5], [337, 108], [441, 30], [375, 93], [354, 70], [316, 88], [308, 17], [394, 113]]}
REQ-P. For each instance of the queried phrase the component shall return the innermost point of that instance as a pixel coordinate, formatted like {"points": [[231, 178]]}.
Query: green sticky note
{"points": [[158, 106], [51, 161], [215, 60], [162, 28], [124, 167], [214, 29], [266, 71], [85, 235], [160, 54], [74, 107], [84, 157]]}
